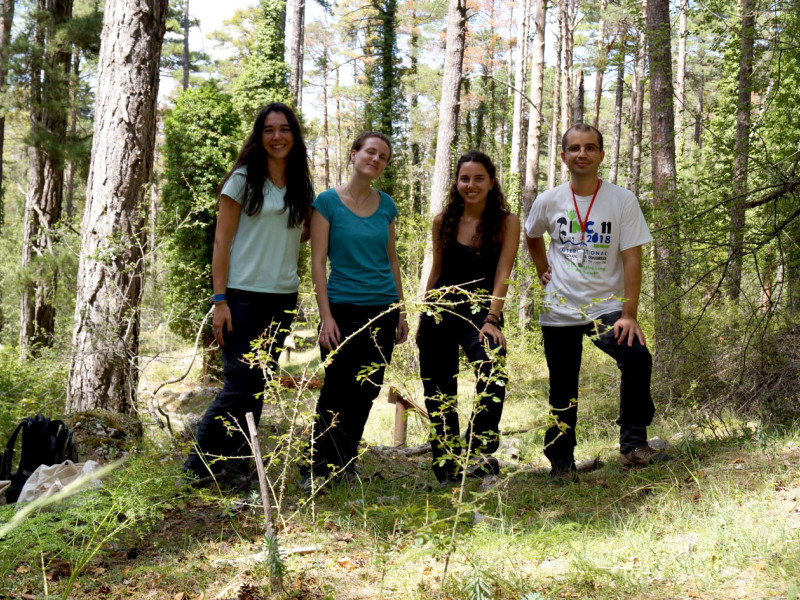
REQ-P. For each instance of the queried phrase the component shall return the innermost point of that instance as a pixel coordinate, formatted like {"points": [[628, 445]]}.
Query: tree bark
{"points": [[553, 153], [520, 81], [448, 116], [49, 107], [635, 158], [665, 201], [69, 171], [602, 61], [680, 79], [105, 339], [298, 32], [618, 101], [6, 20], [737, 208], [580, 94], [531, 188], [566, 74]]}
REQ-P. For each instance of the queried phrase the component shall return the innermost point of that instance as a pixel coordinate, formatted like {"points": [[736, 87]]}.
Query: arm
{"points": [[402, 325], [305, 235], [508, 253], [626, 327], [320, 233], [227, 222], [539, 256]]}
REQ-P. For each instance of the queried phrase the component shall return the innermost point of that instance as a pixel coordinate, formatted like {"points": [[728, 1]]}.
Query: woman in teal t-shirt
{"points": [[353, 226]]}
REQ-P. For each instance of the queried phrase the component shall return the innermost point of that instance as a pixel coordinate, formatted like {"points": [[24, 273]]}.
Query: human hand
{"points": [[625, 329], [329, 335], [492, 331], [221, 322], [402, 329], [545, 277]]}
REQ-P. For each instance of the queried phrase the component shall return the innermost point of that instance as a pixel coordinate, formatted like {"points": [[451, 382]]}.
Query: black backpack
{"points": [[44, 442]]}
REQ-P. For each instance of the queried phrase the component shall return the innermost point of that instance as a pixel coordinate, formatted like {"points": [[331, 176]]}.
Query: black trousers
{"points": [[253, 315], [353, 380], [563, 347], [438, 366]]}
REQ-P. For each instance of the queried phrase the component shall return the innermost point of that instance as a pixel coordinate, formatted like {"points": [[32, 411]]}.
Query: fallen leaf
{"points": [[760, 565], [22, 569], [346, 562], [179, 596]]}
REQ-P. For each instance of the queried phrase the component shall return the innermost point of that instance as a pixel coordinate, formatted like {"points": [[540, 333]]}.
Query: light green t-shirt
{"points": [[265, 250]]}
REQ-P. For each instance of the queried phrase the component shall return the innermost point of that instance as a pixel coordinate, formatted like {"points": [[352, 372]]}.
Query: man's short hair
{"points": [[581, 127]]}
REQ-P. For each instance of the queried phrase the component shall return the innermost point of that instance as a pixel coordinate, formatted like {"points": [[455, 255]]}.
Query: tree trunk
{"points": [[535, 120], [602, 60], [105, 339], [69, 171], [667, 245], [296, 66], [580, 94], [415, 189], [618, 101], [520, 80], [737, 208], [6, 20], [49, 107], [566, 75], [339, 149], [186, 45], [680, 79], [325, 131], [698, 123], [638, 117], [448, 116], [553, 153]]}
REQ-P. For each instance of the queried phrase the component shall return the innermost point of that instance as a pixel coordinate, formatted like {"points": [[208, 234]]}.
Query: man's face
{"points": [[583, 155]]}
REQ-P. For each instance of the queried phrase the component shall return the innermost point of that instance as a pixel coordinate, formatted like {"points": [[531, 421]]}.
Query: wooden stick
{"points": [[262, 476]]}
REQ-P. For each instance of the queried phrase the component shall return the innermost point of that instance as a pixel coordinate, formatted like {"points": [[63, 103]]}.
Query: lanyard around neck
{"points": [[578, 213]]}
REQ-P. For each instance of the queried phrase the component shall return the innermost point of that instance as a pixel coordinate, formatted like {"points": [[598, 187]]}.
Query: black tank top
{"points": [[462, 266]]}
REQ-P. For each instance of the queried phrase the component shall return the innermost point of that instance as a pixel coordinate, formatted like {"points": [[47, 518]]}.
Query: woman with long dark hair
{"points": [[475, 240], [264, 206], [360, 306]]}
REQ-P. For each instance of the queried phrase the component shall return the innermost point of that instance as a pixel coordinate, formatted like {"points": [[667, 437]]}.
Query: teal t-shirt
{"points": [[357, 249]]}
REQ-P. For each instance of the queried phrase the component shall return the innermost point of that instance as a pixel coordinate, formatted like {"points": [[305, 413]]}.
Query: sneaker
{"points": [[641, 457], [312, 483], [563, 473], [486, 465]]}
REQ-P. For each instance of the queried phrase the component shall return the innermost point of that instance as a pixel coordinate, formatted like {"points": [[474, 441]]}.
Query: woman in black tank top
{"points": [[475, 241]]}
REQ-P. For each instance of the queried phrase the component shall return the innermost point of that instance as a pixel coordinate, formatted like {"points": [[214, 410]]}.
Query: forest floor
{"points": [[721, 520]]}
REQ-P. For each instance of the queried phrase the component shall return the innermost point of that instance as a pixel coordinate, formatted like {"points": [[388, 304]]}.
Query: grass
{"points": [[720, 521]]}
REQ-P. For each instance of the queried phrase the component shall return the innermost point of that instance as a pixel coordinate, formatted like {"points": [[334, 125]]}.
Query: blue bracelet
{"points": [[219, 298]]}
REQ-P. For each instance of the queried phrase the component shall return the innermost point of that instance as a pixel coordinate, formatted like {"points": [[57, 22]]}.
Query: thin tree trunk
{"points": [[667, 245], [535, 120], [737, 208], [553, 154], [415, 189], [6, 20], [325, 131], [602, 61], [698, 123], [49, 106], [638, 117], [298, 32], [339, 149], [185, 45], [580, 94], [520, 81], [566, 75], [618, 101], [69, 171], [680, 79], [448, 116], [105, 339]]}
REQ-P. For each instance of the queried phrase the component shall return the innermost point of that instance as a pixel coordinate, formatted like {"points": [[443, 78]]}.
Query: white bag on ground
{"points": [[46, 481]]}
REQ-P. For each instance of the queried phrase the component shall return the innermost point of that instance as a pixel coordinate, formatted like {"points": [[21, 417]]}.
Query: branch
{"points": [[785, 188]]}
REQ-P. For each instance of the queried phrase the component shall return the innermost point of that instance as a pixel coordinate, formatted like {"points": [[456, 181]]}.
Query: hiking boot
{"points": [[312, 483], [563, 474], [641, 457], [486, 465]]}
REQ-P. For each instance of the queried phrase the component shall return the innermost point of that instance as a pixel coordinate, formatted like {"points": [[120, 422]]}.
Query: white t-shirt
{"points": [[265, 250], [581, 291]]}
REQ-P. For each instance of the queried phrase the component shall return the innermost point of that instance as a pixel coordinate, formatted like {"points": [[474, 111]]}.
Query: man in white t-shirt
{"points": [[592, 275]]}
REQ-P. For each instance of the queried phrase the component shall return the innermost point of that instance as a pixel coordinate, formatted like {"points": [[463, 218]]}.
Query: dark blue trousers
{"points": [[254, 316], [563, 348]]}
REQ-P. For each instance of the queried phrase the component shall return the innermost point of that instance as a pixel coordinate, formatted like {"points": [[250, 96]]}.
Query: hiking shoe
{"points": [[563, 474], [641, 457], [486, 465], [312, 483]]}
